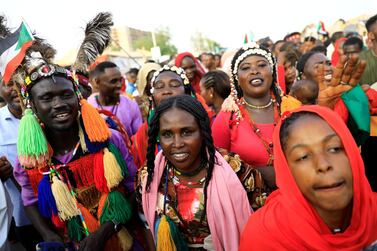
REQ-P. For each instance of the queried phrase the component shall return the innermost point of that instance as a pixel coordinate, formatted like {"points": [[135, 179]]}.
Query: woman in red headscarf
{"points": [[324, 201], [194, 70]]}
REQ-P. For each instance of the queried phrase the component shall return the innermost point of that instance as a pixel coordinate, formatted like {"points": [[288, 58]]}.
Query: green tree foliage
{"points": [[202, 43], [163, 38]]}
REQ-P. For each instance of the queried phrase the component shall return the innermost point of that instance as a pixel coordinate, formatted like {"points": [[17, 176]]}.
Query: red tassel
{"points": [[99, 174], [58, 223]]}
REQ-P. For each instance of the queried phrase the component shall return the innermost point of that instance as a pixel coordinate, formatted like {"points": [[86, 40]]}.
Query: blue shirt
{"points": [[8, 148]]}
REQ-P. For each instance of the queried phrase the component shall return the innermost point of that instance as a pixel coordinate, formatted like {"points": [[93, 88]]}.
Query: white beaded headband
{"points": [[252, 49], [178, 70]]}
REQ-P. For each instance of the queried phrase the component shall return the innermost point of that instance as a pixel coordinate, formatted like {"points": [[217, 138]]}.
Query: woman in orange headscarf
{"points": [[324, 201]]}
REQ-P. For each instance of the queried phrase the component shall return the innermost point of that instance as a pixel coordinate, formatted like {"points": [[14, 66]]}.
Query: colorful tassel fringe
{"points": [[112, 170], [99, 173], [95, 125], [116, 208], [118, 156], [31, 144], [64, 200], [91, 222], [94, 147], [46, 200], [168, 236], [75, 229]]}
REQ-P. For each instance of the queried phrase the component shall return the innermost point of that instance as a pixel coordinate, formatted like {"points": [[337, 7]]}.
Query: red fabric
{"points": [[139, 145], [82, 172], [199, 69], [281, 78], [341, 109], [372, 98], [289, 222], [335, 55], [241, 139]]}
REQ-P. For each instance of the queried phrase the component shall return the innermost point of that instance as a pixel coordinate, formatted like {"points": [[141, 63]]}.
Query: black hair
{"points": [[354, 41], [310, 39], [194, 107], [303, 60], [320, 48], [100, 68], [336, 35], [292, 56], [287, 46], [306, 91], [210, 54], [370, 22], [275, 44], [220, 82], [133, 70], [288, 122], [275, 90]]}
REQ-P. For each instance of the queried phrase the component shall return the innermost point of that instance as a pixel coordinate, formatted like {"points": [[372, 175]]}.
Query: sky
{"points": [[225, 21]]}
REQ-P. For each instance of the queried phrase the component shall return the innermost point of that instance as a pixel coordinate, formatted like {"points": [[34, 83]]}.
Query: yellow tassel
{"points": [[289, 103], [95, 125], [125, 239], [112, 170], [64, 200], [82, 138], [165, 240]]}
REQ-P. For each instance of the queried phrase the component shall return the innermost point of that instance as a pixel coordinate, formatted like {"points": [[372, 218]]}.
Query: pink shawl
{"points": [[228, 207]]}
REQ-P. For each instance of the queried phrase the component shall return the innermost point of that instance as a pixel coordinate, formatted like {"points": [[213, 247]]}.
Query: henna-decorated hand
{"points": [[346, 75]]}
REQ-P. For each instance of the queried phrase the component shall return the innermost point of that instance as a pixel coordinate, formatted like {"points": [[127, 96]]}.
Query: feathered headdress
{"points": [[32, 144]]}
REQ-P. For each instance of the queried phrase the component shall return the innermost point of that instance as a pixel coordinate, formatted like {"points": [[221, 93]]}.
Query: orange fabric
{"points": [[289, 222]]}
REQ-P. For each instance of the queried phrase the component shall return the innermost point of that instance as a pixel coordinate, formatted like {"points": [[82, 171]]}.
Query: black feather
{"points": [[4, 30], [97, 38]]}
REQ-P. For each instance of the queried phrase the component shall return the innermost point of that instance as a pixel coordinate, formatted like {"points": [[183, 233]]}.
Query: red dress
{"points": [[241, 138]]}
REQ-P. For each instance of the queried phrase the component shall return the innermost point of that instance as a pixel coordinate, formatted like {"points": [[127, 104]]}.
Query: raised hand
{"points": [[346, 75]]}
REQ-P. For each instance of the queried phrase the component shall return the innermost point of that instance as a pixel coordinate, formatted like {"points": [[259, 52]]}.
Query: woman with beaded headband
{"points": [[166, 82], [74, 171], [244, 126]]}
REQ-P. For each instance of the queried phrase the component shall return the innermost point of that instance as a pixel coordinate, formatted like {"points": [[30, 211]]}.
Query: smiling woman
{"points": [[189, 186], [320, 175], [249, 115]]}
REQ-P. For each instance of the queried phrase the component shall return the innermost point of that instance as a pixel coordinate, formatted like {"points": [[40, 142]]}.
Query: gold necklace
{"points": [[257, 106]]}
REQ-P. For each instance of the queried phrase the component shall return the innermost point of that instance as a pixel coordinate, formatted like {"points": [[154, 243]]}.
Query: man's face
{"points": [[55, 103], [352, 49], [9, 94], [110, 83], [208, 61]]}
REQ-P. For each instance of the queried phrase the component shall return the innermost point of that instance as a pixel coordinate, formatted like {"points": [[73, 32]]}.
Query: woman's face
{"points": [[255, 76], [180, 139], [319, 164], [189, 66], [167, 84], [311, 68], [207, 94]]}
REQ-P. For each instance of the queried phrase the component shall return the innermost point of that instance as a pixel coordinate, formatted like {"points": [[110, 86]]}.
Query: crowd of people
{"points": [[269, 147]]}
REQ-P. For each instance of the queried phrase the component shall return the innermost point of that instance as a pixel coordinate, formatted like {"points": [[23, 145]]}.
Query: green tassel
{"points": [[118, 156], [75, 229], [116, 208], [32, 144], [179, 242]]}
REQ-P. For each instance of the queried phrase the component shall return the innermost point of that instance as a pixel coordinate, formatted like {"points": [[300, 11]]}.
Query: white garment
{"points": [[6, 210]]}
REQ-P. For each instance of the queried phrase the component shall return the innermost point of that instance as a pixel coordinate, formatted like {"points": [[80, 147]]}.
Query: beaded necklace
{"points": [[114, 109], [268, 145]]}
